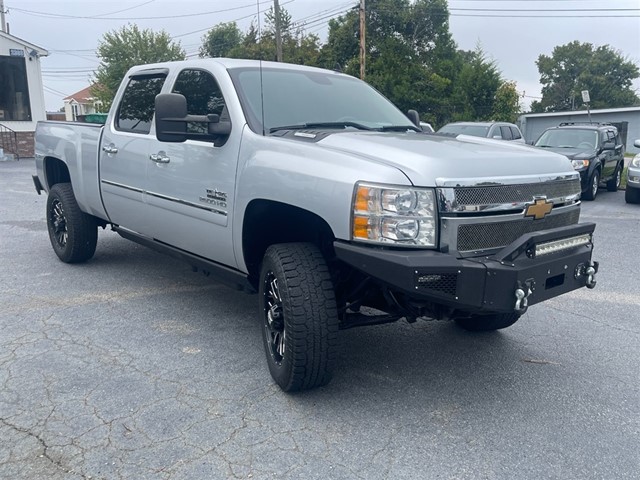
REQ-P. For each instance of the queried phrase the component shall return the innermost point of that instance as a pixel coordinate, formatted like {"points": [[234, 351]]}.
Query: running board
{"points": [[223, 274]]}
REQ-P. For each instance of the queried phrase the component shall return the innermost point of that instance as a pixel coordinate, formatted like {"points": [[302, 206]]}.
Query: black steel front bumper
{"points": [[480, 284]]}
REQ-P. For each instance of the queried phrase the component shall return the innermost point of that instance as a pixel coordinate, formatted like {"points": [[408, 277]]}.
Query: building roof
{"points": [[582, 112], [83, 96], [39, 50]]}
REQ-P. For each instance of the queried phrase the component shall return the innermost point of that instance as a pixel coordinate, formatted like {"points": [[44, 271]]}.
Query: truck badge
{"points": [[539, 209]]}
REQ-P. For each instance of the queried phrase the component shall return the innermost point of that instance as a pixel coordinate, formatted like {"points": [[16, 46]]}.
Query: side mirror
{"points": [[216, 127], [171, 110], [609, 145], [497, 137], [172, 120], [414, 117]]}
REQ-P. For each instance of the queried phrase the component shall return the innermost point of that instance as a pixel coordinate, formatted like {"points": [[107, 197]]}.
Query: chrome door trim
{"points": [[122, 185]]}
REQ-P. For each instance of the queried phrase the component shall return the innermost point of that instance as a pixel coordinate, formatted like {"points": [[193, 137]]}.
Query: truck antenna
{"points": [[260, 60]]}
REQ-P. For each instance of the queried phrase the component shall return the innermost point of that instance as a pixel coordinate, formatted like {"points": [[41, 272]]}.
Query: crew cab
{"points": [[310, 188]]}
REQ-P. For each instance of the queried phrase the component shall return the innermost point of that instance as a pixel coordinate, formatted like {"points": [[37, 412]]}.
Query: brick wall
{"points": [[25, 144]]}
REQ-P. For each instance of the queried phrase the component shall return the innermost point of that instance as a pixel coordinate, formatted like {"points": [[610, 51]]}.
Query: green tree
{"points": [[577, 66], [475, 86], [506, 105], [221, 40], [410, 53], [121, 49]]}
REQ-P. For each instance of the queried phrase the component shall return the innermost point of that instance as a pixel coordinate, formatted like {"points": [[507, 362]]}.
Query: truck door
{"points": [[611, 157], [191, 185], [124, 151]]}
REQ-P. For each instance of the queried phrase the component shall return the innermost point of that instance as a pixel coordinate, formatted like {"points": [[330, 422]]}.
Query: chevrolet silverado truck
{"points": [[311, 189]]}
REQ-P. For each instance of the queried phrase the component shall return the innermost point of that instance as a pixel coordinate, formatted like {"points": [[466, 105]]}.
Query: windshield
{"points": [[459, 129], [568, 138], [302, 97]]}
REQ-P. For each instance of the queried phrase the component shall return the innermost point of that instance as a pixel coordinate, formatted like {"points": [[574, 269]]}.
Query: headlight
{"points": [[580, 164], [396, 216], [635, 162]]}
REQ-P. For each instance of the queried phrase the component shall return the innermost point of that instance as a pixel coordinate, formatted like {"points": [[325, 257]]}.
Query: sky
{"points": [[511, 32]]}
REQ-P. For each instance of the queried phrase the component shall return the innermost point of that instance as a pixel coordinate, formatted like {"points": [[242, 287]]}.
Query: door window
{"points": [[516, 133], [203, 96], [137, 106], [506, 133]]}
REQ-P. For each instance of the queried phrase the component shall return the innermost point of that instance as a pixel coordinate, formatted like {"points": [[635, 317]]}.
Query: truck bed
{"points": [[77, 144]]}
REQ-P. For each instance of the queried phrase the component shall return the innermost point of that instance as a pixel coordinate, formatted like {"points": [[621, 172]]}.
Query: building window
{"points": [[14, 90]]}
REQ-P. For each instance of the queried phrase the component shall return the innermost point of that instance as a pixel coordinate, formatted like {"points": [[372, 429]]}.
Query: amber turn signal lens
{"points": [[360, 227], [362, 199]]}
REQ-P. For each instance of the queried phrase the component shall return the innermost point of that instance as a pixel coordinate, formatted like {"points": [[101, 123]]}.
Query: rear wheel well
{"points": [[55, 171], [267, 223]]}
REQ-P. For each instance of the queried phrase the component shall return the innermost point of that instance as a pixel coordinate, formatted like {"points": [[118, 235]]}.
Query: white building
{"points": [[80, 104], [21, 94]]}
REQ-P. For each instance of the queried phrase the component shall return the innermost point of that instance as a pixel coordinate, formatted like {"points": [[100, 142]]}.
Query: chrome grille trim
{"points": [[514, 180], [509, 197]]}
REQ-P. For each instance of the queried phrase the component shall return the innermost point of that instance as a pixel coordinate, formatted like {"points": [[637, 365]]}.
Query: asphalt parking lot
{"points": [[132, 367]]}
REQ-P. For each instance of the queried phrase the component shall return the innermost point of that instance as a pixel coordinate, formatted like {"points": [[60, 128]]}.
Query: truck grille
{"points": [[515, 194], [484, 236]]}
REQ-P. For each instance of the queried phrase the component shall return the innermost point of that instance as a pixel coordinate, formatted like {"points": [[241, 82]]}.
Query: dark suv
{"points": [[595, 150]]}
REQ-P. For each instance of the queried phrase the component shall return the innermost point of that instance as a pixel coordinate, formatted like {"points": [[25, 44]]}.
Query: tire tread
{"points": [[82, 229], [310, 314]]}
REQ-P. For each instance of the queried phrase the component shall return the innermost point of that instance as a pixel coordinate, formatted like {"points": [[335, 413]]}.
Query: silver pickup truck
{"points": [[310, 188]]}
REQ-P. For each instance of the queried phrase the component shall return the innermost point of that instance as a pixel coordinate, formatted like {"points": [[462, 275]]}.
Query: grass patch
{"points": [[623, 180]]}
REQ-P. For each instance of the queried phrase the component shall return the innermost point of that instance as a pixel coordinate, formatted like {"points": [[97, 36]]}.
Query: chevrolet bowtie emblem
{"points": [[538, 209]]}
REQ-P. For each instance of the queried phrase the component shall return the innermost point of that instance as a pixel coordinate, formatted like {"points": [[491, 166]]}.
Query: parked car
{"points": [[496, 130], [595, 150], [632, 193]]}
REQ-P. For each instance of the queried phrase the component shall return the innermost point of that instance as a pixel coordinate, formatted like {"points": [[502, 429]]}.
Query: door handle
{"points": [[160, 157], [110, 149]]}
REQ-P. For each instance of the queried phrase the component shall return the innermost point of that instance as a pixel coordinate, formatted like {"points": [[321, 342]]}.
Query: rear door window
{"points": [[137, 106]]}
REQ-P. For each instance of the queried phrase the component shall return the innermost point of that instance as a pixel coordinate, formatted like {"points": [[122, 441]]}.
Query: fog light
{"points": [[563, 244]]}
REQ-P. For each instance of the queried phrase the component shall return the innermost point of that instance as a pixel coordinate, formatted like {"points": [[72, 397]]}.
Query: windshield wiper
{"points": [[398, 128], [304, 126]]}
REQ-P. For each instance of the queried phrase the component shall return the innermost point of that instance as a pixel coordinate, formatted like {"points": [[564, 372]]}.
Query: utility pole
{"points": [[362, 40], [3, 25], [276, 10]]}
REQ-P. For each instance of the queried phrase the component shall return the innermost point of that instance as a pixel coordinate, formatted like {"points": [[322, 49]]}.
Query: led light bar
{"points": [[563, 244]]}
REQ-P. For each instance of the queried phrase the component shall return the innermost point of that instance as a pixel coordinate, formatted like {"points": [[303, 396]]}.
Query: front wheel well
{"points": [[268, 222]]}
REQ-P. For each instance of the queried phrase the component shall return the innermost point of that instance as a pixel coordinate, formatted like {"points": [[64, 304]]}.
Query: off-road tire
{"points": [[73, 233], [614, 183], [632, 195], [301, 344], [594, 182], [486, 323]]}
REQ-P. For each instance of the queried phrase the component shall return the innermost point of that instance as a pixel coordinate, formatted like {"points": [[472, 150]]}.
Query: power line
{"points": [[76, 17], [539, 16], [173, 37], [546, 9], [126, 9]]}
